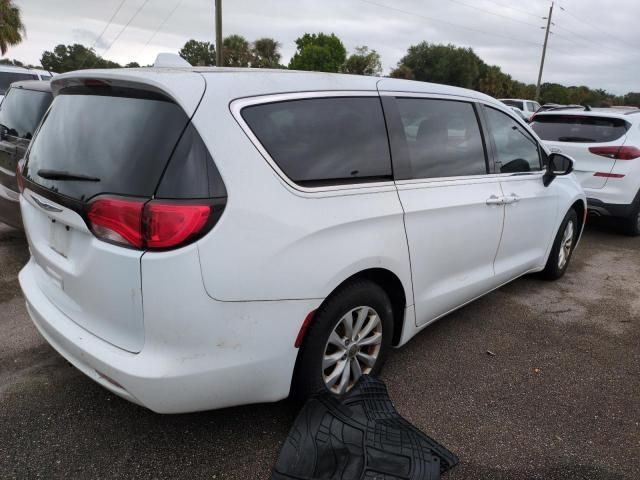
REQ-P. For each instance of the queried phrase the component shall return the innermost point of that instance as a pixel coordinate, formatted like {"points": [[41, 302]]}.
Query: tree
{"points": [[132, 65], [446, 64], [265, 53], [403, 72], [66, 58], [236, 51], [198, 53], [319, 52], [363, 62], [12, 30]]}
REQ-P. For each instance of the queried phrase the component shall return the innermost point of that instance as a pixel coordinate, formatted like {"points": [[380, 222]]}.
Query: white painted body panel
{"points": [[220, 316]]}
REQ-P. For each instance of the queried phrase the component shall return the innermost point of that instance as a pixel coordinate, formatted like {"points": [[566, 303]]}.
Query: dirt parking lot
{"points": [[559, 399]]}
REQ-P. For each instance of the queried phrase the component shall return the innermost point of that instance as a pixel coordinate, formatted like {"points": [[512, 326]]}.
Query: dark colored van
{"points": [[24, 105]]}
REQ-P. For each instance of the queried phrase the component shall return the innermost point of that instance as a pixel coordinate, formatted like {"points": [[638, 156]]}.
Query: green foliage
{"points": [[461, 67], [198, 54], [132, 65], [363, 62], [266, 53], [319, 52], [66, 58], [12, 29], [632, 99], [236, 51], [446, 64]]}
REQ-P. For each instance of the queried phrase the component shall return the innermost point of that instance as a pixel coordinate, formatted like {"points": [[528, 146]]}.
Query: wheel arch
{"points": [[393, 286]]}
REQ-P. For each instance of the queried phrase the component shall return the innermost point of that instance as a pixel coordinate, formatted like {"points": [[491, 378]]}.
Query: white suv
{"points": [[10, 74], [208, 237], [527, 107], [605, 144]]}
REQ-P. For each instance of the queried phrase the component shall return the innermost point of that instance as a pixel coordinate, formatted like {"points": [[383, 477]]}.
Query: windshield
{"points": [[514, 103], [7, 78], [122, 138], [579, 129], [22, 110]]}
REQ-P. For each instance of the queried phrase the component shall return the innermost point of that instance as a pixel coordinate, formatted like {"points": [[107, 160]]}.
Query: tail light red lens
{"points": [[617, 153], [117, 221], [19, 179], [148, 225], [167, 225]]}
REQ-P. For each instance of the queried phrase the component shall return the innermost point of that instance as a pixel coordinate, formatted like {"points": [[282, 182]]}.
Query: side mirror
{"points": [[558, 165]]}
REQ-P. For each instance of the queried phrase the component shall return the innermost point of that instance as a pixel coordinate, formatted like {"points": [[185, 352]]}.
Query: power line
{"points": [[125, 27], [108, 23], [437, 20], [538, 16], [164, 22], [564, 9], [494, 13]]}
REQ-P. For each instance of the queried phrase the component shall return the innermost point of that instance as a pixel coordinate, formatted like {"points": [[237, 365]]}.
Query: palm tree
{"points": [[11, 27]]}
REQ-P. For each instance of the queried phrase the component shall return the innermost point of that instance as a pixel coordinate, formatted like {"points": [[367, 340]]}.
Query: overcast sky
{"points": [[593, 44]]}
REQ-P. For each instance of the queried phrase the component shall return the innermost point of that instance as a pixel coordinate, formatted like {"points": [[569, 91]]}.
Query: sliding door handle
{"points": [[494, 200]]}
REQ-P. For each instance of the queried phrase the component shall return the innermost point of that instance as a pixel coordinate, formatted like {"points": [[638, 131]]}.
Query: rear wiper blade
{"points": [[62, 175], [576, 139]]}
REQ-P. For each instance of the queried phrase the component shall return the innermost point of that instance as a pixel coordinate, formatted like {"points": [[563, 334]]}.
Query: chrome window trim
{"points": [[237, 105]]}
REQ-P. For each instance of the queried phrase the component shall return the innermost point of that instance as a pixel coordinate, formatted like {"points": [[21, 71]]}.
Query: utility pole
{"points": [[219, 33], [544, 51]]}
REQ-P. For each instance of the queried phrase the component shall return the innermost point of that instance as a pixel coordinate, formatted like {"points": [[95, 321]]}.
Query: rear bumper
{"points": [[610, 209], [235, 354]]}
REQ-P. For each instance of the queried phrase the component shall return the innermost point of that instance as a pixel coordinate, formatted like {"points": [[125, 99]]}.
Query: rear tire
{"points": [[562, 249], [631, 224], [350, 335]]}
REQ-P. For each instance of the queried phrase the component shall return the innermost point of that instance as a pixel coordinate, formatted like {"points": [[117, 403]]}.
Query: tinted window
{"points": [[124, 140], [324, 140], [581, 129], [7, 78], [514, 103], [516, 150], [531, 107], [22, 110], [443, 138], [45, 77]]}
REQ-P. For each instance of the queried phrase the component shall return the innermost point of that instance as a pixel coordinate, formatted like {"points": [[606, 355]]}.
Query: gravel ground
{"points": [[558, 399]]}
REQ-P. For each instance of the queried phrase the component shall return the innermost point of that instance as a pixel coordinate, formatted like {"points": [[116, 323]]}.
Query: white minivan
{"points": [[207, 237], [11, 73]]}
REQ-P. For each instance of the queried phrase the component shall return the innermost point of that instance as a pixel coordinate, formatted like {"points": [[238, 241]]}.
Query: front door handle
{"points": [[495, 200], [513, 198]]}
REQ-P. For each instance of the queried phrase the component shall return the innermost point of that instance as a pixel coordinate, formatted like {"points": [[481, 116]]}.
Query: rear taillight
{"points": [[617, 153], [117, 221], [19, 179], [148, 224], [167, 225]]}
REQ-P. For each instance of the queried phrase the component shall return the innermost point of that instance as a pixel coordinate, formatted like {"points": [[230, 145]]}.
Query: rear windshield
{"points": [[514, 103], [22, 110], [579, 129], [124, 138], [7, 78], [324, 141]]}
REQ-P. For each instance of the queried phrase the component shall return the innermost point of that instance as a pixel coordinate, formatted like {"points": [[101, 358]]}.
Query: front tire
{"points": [[350, 336], [562, 249]]}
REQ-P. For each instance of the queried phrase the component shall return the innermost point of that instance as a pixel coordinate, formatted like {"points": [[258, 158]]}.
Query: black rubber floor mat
{"points": [[359, 437]]}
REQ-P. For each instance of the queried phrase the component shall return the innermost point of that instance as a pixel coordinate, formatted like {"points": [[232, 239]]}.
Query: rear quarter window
{"points": [[22, 110], [324, 141], [579, 129]]}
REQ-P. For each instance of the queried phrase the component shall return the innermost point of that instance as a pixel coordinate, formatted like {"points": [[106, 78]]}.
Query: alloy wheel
{"points": [[352, 349], [566, 245]]}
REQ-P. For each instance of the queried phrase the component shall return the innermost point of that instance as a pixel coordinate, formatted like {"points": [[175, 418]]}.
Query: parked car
{"points": [[605, 144], [285, 229], [520, 114], [528, 107], [556, 106], [10, 74], [20, 113]]}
